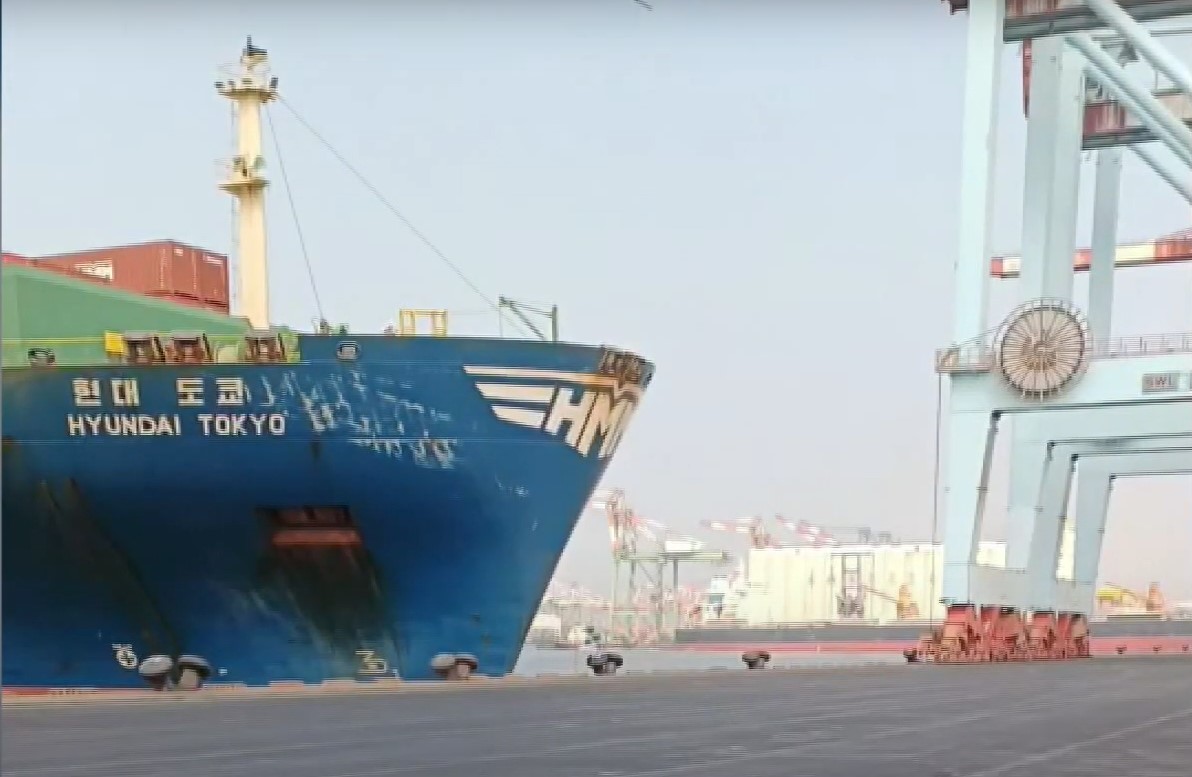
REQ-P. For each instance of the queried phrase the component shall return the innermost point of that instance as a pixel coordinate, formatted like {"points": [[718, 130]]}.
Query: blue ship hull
{"points": [[208, 509]]}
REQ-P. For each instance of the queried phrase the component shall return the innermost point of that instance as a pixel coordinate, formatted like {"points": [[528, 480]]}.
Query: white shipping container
{"points": [[806, 585]]}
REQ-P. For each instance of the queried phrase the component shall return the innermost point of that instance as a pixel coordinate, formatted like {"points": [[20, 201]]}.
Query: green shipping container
{"points": [[42, 309]]}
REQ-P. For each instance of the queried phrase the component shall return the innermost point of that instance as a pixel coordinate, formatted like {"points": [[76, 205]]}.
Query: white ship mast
{"points": [[249, 87]]}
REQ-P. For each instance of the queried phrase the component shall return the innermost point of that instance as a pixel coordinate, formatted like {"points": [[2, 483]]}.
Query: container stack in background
{"points": [[165, 269], [71, 303]]}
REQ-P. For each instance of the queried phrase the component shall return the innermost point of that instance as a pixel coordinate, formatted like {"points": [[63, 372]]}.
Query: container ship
{"points": [[881, 597], [187, 486]]}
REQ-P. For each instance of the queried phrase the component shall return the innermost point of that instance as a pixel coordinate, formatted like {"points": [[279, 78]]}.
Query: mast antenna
{"points": [[521, 309], [250, 86]]}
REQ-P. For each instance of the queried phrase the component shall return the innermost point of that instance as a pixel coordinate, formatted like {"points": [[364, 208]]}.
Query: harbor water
{"points": [[536, 660]]}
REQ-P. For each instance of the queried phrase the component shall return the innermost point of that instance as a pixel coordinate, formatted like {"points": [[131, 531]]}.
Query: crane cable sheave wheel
{"points": [[1042, 347]]}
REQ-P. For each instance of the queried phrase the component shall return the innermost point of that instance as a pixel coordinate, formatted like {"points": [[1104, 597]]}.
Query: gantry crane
{"points": [[807, 533], [642, 551], [904, 604], [1113, 595], [752, 527], [816, 534], [575, 606]]}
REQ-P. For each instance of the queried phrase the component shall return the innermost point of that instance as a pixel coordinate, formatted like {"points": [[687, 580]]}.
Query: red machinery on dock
{"points": [[972, 635]]}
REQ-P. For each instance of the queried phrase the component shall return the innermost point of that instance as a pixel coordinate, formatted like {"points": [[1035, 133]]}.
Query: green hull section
{"points": [[43, 309]]}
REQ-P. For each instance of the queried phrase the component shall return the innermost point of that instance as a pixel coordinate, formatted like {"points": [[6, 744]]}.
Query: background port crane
{"points": [[642, 551], [752, 527]]}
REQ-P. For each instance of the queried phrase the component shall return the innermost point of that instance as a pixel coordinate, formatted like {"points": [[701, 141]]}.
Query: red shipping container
{"points": [[59, 269], [165, 268], [213, 279], [1175, 247], [189, 301]]}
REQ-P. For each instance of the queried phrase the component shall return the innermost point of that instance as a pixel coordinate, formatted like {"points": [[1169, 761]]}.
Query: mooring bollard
{"points": [[605, 663], [192, 672], [755, 659], [454, 667], [157, 672]]}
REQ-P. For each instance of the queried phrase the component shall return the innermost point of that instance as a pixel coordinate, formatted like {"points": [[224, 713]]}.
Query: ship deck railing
{"points": [[107, 349]]}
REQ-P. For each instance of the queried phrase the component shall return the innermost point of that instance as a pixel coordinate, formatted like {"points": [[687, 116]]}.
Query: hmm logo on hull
{"points": [[585, 408]]}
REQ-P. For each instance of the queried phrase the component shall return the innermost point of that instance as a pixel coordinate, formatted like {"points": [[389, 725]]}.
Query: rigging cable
{"points": [[398, 214], [285, 180]]}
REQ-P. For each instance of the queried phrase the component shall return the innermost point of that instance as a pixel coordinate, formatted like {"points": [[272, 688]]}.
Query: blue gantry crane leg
{"points": [[1050, 369]]}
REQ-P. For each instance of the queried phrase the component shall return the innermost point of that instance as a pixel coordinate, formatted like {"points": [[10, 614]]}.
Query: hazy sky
{"points": [[760, 196]]}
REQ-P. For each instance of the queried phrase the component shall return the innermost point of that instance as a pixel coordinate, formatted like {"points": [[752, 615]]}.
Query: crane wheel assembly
{"points": [[975, 635]]}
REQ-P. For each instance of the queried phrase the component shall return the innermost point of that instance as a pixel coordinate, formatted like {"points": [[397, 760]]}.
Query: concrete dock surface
{"points": [[1091, 718]]}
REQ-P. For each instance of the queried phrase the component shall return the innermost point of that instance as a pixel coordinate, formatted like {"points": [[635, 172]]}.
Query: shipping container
{"points": [[189, 301], [810, 584], [166, 268], [70, 316], [25, 261], [1176, 246]]}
